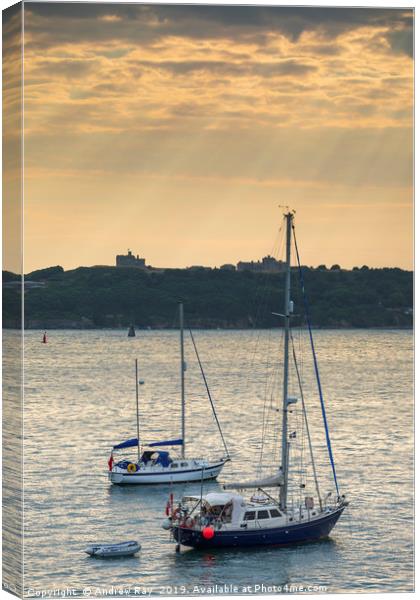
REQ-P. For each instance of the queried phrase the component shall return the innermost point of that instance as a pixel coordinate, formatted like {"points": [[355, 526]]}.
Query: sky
{"points": [[179, 131]]}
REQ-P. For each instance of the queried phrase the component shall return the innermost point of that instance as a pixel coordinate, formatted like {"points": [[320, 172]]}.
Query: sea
{"points": [[79, 401]]}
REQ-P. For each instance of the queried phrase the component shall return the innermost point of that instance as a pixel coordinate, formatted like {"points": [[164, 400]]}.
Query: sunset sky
{"points": [[177, 131]]}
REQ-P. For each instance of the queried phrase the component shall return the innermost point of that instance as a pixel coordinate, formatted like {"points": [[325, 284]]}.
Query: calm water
{"points": [[80, 400]]}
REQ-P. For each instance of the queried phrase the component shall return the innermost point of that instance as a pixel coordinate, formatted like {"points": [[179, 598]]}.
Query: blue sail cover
{"points": [[167, 443], [127, 444]]}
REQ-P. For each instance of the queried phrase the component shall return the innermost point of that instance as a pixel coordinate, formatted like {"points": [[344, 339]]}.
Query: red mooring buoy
{"points": [[207, 532], [44, 338]]}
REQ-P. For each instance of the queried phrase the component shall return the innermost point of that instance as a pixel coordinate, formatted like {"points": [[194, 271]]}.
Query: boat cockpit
{"points": [[149, 458]]}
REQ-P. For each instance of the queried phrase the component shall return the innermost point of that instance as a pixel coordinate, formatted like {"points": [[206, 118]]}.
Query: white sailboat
{"points": [[230, 519], [153, 465]]}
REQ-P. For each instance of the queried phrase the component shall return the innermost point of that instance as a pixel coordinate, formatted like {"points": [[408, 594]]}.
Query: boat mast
{"points": [[285, 441], [137, 412], [181, 339]]}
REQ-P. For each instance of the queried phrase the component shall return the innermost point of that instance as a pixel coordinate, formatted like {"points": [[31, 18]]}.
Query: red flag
{"points": [[110, 462]]}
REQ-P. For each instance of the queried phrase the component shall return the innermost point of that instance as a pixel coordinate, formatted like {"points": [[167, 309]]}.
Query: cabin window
{"points": [[263, 514], [275, 513], [174, 465], [184, 464], [249, 516]]}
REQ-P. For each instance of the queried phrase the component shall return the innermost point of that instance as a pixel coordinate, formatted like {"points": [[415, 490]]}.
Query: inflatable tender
{"points": [[113, 550]]}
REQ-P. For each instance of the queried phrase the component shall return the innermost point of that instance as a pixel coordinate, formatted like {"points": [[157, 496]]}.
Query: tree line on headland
{"points": [[98, 297]]}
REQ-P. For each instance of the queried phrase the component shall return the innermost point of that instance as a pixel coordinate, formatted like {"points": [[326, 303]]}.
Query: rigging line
{"points": [[259, 307], [302, 452], [208, 393], [301, 367], [263, 428], [302, 414], [268, 407], [318, 379], [260, 302], [306, 422], [270, 432], [276, 406]]}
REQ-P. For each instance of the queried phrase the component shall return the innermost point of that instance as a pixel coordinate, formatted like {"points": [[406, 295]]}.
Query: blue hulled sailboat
{"points": [[227, 518]]}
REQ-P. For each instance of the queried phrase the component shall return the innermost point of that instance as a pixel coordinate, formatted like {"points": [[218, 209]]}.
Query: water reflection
{"points": [[78, 404]]}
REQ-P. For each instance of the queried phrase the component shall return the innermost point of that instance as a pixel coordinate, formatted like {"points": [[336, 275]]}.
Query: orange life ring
{"points": [[131, 468]]}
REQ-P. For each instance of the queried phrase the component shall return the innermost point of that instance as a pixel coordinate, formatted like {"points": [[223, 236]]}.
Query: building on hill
{"points": [[267, 265], [129, 260], [198, 268]]}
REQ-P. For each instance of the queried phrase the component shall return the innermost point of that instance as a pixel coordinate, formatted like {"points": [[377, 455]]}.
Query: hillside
{"points": [[109, 297]]}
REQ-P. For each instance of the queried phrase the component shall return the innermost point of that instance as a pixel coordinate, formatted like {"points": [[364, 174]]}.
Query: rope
{"points": [[269, 428], [306, 423], [208, 393], [260, 305], [318, 379]]}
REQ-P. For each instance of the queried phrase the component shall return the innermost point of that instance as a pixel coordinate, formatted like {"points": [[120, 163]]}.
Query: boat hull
{"points": [[301, 532], [113, 550], [166, 476]]}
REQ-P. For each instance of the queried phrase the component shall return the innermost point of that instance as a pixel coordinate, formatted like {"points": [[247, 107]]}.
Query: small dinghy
{"points": [[113, 550]]}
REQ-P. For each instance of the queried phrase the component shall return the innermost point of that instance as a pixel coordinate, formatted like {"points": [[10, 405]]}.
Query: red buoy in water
{"points": [[207, 532], [44, 339]]}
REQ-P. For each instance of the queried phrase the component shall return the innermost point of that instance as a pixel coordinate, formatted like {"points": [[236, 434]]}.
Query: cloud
{"points": [[73, 69], [401, 41], [358, 157], [151, 23], [212, 91], [132, 107], [250, 68]]}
